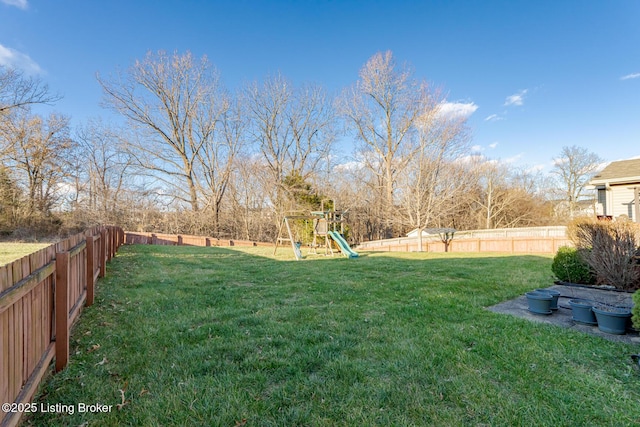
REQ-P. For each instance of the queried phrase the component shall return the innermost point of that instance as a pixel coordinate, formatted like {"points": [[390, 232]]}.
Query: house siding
{"points": [[615, 185], [622, 202]]}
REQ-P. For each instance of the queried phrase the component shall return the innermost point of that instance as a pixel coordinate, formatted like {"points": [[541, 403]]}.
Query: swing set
{"points": [[325, 233]]}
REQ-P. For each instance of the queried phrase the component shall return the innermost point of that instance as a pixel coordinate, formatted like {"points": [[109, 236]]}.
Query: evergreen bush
{"points": [[569, 266]]}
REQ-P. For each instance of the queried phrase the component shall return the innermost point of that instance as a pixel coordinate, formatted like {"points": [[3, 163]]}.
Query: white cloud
{"points": [[536, 168], [14, 59], [514, 159], [494, 118], [558, 161], [630, 76], [359, 161], [476, 150], [516, 99], [473, 158], [348, 166], [456, 110], [20, 4]]}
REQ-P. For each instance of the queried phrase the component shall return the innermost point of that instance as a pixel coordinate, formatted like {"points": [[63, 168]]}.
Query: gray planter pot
{"points": [[554, 294], [539, 302], [582, 312], [612, 320]]}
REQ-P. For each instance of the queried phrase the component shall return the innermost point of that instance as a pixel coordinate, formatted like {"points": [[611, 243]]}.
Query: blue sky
{"points": [[532, 75]]}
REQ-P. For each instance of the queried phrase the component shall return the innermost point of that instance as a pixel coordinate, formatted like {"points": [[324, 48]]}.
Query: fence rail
{"points": [[41, 296], [135, 238]]}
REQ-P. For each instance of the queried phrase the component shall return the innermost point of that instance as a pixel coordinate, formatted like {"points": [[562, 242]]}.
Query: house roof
{"points": [[621, 172]]}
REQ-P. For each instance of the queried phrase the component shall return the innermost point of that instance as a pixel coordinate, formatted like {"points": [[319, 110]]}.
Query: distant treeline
{"points": [[191, 157]]}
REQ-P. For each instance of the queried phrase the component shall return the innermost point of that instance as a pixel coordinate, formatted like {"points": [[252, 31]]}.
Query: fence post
{"points": [[180, 240], [62, 310], [109, 243], [90, 270], [103, 253], [113, 240]]}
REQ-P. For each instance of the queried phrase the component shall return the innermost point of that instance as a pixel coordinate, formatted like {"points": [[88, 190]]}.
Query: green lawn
{"points": [[211, 336], [12, 251]]}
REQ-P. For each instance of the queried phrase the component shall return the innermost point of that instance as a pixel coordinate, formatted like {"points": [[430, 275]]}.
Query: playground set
{"points": [[325, 233]]}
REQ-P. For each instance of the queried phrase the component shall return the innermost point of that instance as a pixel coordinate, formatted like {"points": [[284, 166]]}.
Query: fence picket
{"points": [[90, 270], [62, 310], [4, 356]]}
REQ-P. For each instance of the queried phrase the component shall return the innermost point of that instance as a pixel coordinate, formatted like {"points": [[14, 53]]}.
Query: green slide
{"points": [[344, 246]]}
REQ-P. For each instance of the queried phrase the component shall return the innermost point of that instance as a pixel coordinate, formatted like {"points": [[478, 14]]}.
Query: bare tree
{"points": [[39, 152], [18, 90], [503, 196], [103, 167], [432, 182], [574, 168], [292, 128], [493, 189], [312, 122], [10, 200], [249, 194], [266, 107], [216, 159], [383, 109], [174, 102]]}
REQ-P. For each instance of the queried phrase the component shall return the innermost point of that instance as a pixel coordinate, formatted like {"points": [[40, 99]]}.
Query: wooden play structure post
{"points": [[294, 245]]}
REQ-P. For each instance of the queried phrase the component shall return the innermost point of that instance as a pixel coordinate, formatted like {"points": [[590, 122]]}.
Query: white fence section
{"points": [[526, 239], [551, 231]]}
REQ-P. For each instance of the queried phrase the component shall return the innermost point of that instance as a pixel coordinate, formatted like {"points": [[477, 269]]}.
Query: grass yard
{"points": [[12, 251], [214, 336]]}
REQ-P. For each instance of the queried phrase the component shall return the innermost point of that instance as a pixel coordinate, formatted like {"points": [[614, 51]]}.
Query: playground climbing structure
{"points": [[326, 224]]}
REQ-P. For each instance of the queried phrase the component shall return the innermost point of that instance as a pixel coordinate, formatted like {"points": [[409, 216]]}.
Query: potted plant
{"points": [[612, 320], [582, 311], [554, 294], [539, 302]]}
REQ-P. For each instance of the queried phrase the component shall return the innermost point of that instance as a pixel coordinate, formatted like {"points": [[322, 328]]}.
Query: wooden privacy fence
{"points": [[511, 242], [41, 296], [495, 244], [135, 238]]}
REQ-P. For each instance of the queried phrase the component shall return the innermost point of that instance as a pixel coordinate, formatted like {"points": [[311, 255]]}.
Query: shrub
{"points": [[574, 226], [569, 266], [610, 248]]}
